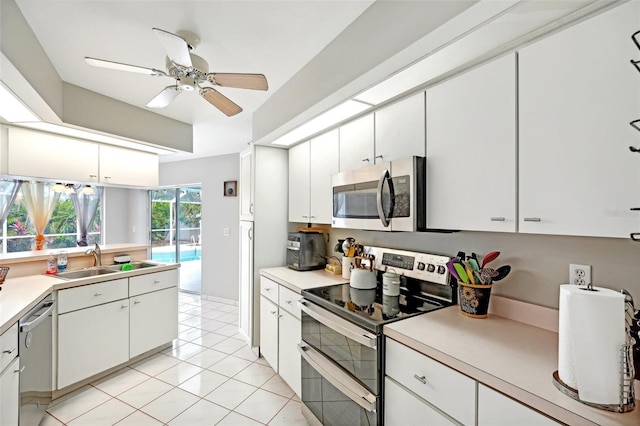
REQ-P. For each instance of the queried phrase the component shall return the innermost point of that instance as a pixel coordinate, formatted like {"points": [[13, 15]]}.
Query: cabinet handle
{"points": [[97, 295], [93, 176], [273, 312], [123, 307], [532, 219], [497, 219], [379, 156], [9, 351], [304, 215], [21, 369], [267, 289], [288, 302], [251, 208], [367, 160], [107, 177], [250, 234], [312, 217], [156, 281], [280, 316], [421, 379], [136, 302]]}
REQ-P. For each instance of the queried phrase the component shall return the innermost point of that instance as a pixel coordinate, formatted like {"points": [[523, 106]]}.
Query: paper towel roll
{"points": [[590, 335]]}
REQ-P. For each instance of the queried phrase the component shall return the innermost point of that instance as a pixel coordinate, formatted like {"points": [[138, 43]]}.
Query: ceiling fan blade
{"points": [[101, 63], [220, 101], [241, 81], [176, 47], [165, 97]]}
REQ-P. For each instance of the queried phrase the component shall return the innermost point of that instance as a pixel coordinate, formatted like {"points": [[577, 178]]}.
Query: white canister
{"points": [[348, 264], [391, 284]]}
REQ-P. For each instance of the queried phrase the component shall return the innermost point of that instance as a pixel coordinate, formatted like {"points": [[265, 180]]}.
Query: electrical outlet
{"points": [[579, 274]]}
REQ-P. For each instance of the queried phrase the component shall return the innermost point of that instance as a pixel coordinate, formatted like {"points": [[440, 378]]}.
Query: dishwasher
{"points": [[36, 362]]}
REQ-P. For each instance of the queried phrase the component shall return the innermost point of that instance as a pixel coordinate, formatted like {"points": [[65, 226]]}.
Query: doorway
{"points": [[176, 233]]}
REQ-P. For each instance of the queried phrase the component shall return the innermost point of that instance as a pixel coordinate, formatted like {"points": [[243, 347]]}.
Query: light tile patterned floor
{"points": [[209, 377]]}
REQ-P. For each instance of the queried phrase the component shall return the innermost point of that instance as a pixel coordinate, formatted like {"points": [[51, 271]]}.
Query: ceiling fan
{"points": [[190, 71]]}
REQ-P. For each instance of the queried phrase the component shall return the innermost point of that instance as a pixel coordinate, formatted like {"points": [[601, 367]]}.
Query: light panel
{"points": [[12, 109]]}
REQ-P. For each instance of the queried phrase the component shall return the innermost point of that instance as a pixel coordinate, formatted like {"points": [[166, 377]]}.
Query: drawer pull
{"points": [[156, 281], [123, 307], [21, 369], [280, 316], [267, 289], [421, 379], [97, 295], [497, 219], [532, 219], [288, 302], [273, 312], [136, 302], [9, 351]]}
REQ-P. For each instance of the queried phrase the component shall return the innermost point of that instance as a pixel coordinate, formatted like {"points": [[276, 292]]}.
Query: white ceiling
{"points": [[276, 38]]}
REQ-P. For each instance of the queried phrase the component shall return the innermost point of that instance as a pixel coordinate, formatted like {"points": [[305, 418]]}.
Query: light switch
{"points": [[226, 232]]}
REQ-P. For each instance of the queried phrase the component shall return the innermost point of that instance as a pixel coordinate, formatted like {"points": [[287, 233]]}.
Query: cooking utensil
{"points": [[347, 244], [461, 272], [502, 271], [486, 274], [489, 257], [469, 272], [474, 263], [452, 269]]}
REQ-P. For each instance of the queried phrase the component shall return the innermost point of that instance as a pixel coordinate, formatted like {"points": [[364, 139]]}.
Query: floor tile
{"points": [[290, 415], [139, 418], [106, 414], [238, 336], [245, 352], [228, 308], [202, 413], [229, 346], [230, 317], [192, 334], [203, 383], [255, 374], [228, 330], [206, 358], [120, 381], [276, 384], [230, 366], [77, 404], [262, 361], [170, 404], [183, 327], [179, 373], [145, 392], [212, 339], [49, 420], [185, 351], [155, 364], [231, 393], [261, 406], [192, 321], [212, 325], [235, 419], [213, 314]]}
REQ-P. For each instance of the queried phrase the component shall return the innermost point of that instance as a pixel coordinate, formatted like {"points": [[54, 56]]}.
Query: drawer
{"points": [[151, 282], [439, 385], [72, 299], [495, 409], [288, 300], [402, 408], [269, 289], [8, 346]]}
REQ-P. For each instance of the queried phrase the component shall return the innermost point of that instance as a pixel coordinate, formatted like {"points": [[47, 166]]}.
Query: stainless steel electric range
{"points": [[342, 346]]}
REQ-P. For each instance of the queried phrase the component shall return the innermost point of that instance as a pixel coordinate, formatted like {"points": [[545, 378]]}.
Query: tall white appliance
{"points": [[263, 192]]}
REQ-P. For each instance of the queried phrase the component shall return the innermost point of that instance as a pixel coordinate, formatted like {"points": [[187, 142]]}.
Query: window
{"points": [[18, 234]]}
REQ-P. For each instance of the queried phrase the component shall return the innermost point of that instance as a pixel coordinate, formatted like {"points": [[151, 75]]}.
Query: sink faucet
{"points": [[97, 255]]}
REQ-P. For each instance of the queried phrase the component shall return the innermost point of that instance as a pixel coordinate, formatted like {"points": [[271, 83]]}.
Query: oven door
{"points": [[332, 396]]}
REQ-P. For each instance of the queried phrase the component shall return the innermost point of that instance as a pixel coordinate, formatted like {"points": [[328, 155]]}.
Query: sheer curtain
{"points": [[86, 205], [8, 191], [40, 201]]}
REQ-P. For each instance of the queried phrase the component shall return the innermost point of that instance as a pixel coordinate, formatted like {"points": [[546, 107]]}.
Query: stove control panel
{"points": [[422, 266]]}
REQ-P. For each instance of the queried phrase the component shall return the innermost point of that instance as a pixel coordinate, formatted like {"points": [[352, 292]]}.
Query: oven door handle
{"points": [[338, 378], [339, 325]]}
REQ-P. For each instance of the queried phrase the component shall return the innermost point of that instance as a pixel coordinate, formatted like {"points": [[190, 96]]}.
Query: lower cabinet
{"points": [[288, 356], [153, 320], [10, 394], [269, 332], [495, 409], [403, 408], [92, 340]]}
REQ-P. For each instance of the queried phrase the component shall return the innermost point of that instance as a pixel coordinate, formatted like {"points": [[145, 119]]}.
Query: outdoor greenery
{"points": [[189, 212]]}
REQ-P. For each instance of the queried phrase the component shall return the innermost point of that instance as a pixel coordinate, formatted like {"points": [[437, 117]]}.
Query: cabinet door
{"points": [[356, 143], [402, 408], [121, 166], [245, 186], [324, 153], [471, 150], [153, 320], [288, 357], [269, 332], [10, 394], [246, 282], [578, 94], [38, 154], [400, 130], [92, 340], [496, 409], [299, 183]]}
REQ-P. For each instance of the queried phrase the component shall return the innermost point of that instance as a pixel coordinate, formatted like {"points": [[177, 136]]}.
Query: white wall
{"points": [[220, 266]]}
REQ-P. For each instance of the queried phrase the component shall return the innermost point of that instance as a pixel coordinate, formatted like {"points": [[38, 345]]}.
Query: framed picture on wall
{"points": [[231, 188]]}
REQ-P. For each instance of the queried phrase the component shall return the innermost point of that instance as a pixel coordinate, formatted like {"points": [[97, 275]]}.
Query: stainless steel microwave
{"points": [[384, 197]]}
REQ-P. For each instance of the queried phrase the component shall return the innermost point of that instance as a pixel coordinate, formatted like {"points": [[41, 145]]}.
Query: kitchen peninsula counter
{"points": [[301, 280]]}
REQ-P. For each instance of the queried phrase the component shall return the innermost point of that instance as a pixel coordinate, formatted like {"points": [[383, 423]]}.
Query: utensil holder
{"points": [[474, 299]]}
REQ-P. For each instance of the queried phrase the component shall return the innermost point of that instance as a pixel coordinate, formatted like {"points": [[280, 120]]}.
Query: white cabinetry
{"points": [[577, 94], [495, 409], [471, 150], [245, 188], [356, 143], [10, 394], [311, 165], [269, 332], [246, 309], [400, 129], [403, 408], [121, 166], [153, 320]]}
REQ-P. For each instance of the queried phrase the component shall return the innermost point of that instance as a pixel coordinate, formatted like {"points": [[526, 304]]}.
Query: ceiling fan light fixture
{"points": [[186, 83]]}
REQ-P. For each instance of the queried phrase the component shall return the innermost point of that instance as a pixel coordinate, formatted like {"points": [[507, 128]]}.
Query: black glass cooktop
{"points": [[370, 308]]}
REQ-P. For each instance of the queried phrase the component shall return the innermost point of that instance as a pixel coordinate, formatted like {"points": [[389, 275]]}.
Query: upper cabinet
{"points": [[400, 129], [311, 165], [245, 189], [577, 95], [122, 166], [471, 149], [356, 143]]}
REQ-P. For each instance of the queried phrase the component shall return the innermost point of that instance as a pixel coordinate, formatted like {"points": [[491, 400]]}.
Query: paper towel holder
{"points": [[626, 366]]}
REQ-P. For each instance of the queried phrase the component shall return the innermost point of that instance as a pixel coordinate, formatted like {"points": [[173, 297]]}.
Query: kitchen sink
{"points": [[85, 273], [134, 265]]}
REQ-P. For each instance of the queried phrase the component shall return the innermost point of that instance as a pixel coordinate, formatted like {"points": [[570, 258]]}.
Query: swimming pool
{"points": [[187, 253]]}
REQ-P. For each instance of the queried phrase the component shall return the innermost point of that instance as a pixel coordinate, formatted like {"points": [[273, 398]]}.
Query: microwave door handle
{"points": [[383, 218]]}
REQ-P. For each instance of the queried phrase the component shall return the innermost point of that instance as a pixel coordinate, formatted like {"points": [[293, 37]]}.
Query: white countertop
{"points": [[512, 357], [301, 280], [20, 294]]}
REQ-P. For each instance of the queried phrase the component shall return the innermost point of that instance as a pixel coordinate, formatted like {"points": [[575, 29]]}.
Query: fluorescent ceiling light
{"points": [[76, 132], [12, 109], [327, 119]]}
